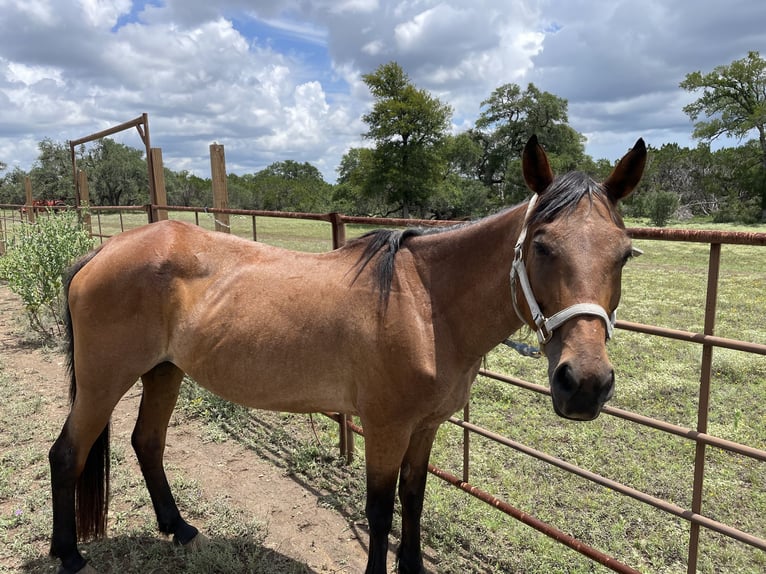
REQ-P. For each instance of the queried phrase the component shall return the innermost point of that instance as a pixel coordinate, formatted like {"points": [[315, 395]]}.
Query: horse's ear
{"points": [[534, 164], [627, 173]]}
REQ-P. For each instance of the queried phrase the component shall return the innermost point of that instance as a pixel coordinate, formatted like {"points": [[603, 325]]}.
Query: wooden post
{"points": [[220, 191], [29, 203], [338, 230], [160, 194], [84, 203]]}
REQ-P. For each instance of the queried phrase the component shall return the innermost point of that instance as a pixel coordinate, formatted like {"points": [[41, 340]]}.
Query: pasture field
{"points": [[655, 377]]}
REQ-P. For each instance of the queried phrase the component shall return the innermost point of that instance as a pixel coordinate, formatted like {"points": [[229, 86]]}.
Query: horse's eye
{"points": [[541, 249]]}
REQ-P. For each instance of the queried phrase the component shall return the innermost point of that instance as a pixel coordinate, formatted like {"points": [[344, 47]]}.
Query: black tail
{"points": [[92, 489]]}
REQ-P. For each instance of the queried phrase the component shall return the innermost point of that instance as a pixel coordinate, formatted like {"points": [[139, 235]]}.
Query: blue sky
{"points": [[281, 79]]}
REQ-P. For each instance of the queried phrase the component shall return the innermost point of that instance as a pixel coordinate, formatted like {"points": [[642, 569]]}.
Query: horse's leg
{"points": [[383, 456], [161, 386], [79, 462], [412, 485]]}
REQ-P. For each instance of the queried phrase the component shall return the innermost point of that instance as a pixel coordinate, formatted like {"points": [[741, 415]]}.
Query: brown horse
{"points": [[392, 328]]}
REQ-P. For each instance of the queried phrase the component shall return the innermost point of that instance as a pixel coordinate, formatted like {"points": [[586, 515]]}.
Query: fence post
{"points": [[703, 406], [346, 441], [29, 203], [84, 210], [338, 230], [466, 441], [160, 194], [220, 191]]}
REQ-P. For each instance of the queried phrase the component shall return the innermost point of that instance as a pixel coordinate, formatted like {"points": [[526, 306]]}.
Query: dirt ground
{"points": [[298, 527]]}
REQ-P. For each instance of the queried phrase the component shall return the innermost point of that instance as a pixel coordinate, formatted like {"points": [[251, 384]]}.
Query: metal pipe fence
{"points": [[699, 436]]}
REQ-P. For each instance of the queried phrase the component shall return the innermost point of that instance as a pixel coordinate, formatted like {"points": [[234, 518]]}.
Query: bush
{"points": [[733, 209], [34, 262], [660, 207]]}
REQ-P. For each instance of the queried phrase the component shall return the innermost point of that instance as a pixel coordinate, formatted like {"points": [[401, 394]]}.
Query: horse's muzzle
{"points": [[580, 396]]}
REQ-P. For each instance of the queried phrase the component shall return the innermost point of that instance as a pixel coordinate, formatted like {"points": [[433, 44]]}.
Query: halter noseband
{"points": [[544, 327]]}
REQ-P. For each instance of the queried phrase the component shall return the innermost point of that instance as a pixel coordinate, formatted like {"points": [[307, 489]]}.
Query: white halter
{"points": [[544, 327]]}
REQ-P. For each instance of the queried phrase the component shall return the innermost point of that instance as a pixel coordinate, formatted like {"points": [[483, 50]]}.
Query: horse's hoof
{"points": [[199, 541]]}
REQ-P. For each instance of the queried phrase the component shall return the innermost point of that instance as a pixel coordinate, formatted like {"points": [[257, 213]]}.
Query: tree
{"points": [[734, 102], [185, 188], [287, 186], [12, 186], [350, 194], [508, 118], [408, 127], [117, 174], [738, 178], [51, 173]]}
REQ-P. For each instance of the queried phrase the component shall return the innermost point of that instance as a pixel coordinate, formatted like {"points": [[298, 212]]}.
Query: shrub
{"points": [[733, 209], [34, 262], [660, 207]]}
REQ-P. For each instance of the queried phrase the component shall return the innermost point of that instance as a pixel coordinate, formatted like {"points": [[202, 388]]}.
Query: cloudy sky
{"points": [[280, 79]]}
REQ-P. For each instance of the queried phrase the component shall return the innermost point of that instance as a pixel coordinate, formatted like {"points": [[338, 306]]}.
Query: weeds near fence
{"points": [[35, 261]]}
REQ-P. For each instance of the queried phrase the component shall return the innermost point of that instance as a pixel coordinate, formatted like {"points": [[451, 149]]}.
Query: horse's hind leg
{"points": [[79, 462], [161, 387]]}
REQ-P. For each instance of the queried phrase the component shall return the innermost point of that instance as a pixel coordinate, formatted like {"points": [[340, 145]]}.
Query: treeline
{"points": [[414, 166]]}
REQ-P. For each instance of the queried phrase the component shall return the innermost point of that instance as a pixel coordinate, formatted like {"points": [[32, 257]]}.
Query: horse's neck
{"points": [[469, 271]]}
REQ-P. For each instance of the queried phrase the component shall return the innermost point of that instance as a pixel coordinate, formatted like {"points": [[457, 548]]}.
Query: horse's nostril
{"points": [[564, 380]]}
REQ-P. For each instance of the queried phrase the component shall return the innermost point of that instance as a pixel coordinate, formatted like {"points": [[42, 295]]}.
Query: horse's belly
{"points": [[280, 390], [275, 372]]}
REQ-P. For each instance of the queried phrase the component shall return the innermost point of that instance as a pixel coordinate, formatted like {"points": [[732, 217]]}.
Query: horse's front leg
{"points": [[412, 485], [161, 387], [384, 451]]}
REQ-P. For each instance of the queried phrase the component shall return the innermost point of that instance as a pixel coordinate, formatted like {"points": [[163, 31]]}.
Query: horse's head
{"points": [[567, 272]]}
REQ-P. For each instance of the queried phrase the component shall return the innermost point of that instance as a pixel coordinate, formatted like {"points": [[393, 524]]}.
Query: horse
{"points": [[391, 327]]}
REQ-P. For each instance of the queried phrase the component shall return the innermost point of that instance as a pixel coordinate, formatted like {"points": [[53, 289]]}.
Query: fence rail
{"points": [[699, 435]]}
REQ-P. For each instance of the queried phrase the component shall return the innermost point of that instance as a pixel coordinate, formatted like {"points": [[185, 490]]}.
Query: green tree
{"points": [[287, 186], [737, 179], [350, 194], [508, 118], [51, 173], [408, 127], [12, 187], [682, 171], [117, 174], [186, 189], [733, 101]]}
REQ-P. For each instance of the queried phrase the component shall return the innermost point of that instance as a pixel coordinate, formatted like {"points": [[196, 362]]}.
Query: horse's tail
{"points": [[92, 488]]}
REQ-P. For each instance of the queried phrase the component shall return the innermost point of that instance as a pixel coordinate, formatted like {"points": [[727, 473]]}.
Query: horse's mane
{"points": [[387, 243], [561, 197]]}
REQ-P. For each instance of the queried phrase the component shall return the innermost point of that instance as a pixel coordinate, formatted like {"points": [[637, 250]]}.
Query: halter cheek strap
{"points": [[544, 327]]}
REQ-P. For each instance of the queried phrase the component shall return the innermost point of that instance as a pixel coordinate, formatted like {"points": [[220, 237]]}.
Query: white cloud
{"points": [[281, 79], [104, 12]]}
